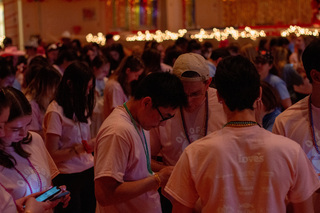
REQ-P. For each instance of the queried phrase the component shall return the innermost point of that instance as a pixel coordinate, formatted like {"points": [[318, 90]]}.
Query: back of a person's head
{"points": [[66, 55], [7, 41], [151, 58], [234, 48], [165, 90], [171, 54], [4, 101], [270, 97], [221, 52], [71, 92], [6, 68], [19, 105], [193, 45], [132, 62], [39, 60], [249, 51], [151, 45], [310, 57], [237, 82]]}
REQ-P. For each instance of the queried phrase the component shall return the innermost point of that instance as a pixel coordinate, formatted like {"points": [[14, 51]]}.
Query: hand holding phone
{"points": [[52, 194]]}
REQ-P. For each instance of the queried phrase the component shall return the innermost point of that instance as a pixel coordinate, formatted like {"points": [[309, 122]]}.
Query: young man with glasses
{"points": [[124, 180]]}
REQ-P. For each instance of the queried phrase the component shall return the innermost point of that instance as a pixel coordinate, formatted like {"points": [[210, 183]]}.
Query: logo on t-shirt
{"points": [[258, 158]]}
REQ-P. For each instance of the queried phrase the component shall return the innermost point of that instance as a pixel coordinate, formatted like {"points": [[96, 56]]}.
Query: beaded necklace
{"points": [[205, 121], [312, 127], [241, 124], [25, 179], [144, 142]]}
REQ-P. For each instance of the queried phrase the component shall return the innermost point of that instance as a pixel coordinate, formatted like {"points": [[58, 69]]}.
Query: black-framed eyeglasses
{"points": [[162, 117]]}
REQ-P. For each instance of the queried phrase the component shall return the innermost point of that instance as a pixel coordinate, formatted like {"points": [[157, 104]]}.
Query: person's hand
{"points": [[30, 203], [164, 175], [65, 200], [259, 111]]}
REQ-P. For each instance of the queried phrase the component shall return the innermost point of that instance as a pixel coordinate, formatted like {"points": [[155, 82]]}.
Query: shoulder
{"points": [[296, 111]]}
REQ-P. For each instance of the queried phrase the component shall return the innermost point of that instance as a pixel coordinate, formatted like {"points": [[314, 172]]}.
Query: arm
{"points": [[109, 191], [305, 206], [155, 146], [59, 155], [286, 103]]}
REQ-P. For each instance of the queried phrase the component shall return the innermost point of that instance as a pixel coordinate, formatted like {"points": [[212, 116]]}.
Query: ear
{"points": [[207, 83], [315, 75], [128, 71], [146, 102]]}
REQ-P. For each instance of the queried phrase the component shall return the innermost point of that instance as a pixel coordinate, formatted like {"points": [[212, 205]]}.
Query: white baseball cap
{"points": [[191, 62]]}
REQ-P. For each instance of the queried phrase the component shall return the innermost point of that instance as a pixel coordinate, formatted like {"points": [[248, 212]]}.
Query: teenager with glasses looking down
{"points": [[124, 180]]}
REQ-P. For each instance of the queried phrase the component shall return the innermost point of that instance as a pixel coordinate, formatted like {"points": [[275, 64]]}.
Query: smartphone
{"points": [[50, 193]]}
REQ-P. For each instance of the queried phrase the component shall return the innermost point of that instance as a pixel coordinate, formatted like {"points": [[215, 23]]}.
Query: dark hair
{"points": [[46, 79], [135, 64], [66, 54], [152, 59], [19, 107], [7, 41], [71, 92], [98, 61], [193, 45], [270, 96], [4, 101], [221, 52], [165, 90], [237, 82], [6, 68], [171, 54], [310, 57]]}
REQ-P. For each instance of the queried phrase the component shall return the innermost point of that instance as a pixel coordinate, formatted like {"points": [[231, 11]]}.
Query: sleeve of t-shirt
{"points": [[181, 186], [36, 122], [111, 157], [281, 87], [53, 123], [305, 180], [277, 127], [7, 204], [116, 96]]}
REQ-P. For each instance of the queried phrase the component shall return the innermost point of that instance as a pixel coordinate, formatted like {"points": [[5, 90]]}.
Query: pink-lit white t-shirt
{"points": [[71, 133], [171, 139], [294, 123], [119, 153], [113, 96], [37, 116], [40, 159], [245, 169], [7, 204]]}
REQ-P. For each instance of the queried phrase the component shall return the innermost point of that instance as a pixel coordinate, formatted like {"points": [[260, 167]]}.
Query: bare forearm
{"points": [[156, 165], [66, 154], [110, 194]]}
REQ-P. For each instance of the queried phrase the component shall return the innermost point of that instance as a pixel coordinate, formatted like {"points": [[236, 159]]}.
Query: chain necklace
{"points": [[205, 121], [312, 127], [241, 124]]}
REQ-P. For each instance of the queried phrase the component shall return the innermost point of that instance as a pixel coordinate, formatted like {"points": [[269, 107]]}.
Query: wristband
{"points": [[158, 180], [86, 146]]}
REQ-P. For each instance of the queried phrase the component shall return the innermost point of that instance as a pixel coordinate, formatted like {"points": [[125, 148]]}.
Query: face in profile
{"points": [[17, 129]]}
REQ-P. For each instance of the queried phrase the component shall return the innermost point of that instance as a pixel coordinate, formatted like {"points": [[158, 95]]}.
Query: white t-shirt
{"points": [[245, 169], [37, 117], [7, 204], [113, 96], [40, 159], [71, 133], [119, 153], [294, 123], [171, 139]]}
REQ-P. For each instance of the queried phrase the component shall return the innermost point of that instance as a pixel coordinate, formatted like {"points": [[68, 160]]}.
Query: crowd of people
{"points": [[185, 128]]}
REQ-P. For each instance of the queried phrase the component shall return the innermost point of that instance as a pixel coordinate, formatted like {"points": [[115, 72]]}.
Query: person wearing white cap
{"points": [[203, 114]]}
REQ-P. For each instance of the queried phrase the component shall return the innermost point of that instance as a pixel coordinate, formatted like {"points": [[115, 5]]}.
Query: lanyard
{"points": [[25, 179], [143, 141], [205, 121]]}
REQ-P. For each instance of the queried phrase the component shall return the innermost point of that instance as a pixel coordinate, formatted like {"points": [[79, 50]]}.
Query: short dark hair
{"points": [[165, 90], [237, 82], [310, 57]]}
